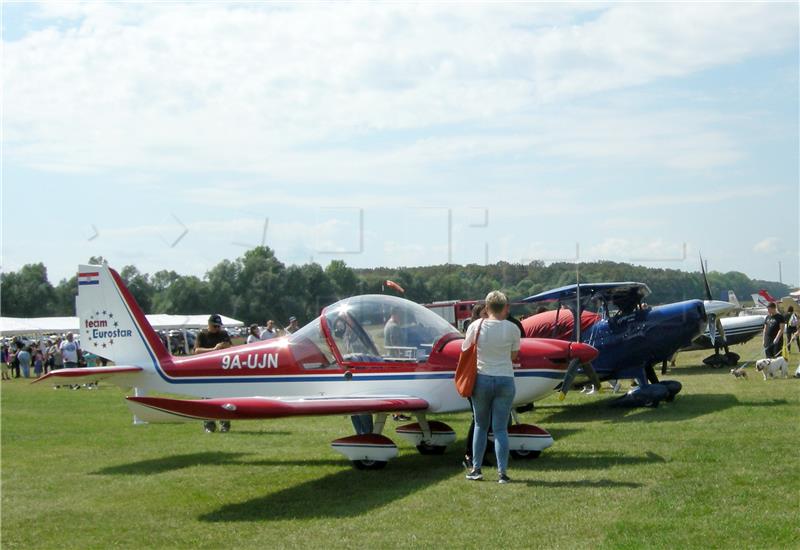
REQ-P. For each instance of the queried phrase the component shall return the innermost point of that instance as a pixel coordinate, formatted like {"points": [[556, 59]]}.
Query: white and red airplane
{"points": [[336, 365]]}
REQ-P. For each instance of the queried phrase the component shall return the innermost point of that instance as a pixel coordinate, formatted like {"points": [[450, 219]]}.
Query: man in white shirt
{"points": [[69, 352], [269, 331]]}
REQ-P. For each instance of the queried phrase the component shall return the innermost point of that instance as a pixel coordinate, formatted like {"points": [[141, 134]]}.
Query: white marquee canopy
{"points": [[18, 326]]}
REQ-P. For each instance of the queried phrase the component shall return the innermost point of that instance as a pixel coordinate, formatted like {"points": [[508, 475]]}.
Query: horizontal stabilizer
{"points": [[121, 376], [161, 409]]}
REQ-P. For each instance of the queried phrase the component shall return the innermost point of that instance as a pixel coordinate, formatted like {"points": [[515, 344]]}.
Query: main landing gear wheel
{"points": [[526, 455], [369, 464], [428, 449]]}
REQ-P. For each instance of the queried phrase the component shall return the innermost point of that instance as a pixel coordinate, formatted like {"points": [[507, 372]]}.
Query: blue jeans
{"points": [[492, 399]]}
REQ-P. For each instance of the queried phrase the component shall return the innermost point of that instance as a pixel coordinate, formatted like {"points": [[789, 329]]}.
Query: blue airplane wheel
{"points": [[369, 464]]}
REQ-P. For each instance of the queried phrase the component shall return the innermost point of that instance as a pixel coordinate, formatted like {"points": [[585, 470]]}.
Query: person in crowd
{"points": [[774, 326], [69, 352], [54, 355], [254, 335], [13, 358], [393, 334], [493, 395], [90, 359], [269, 331], [211, 339], [791, 328], [24, 357], [5, 359], [37, 359], [293, 326], [478, 312]]}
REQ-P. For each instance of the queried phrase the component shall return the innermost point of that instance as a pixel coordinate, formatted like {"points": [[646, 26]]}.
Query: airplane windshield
{"points": [[378, 328]]}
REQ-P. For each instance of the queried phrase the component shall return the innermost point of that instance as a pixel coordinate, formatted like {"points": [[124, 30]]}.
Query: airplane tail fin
{"points": [[733, 299], [112, 325], [766, 295], [759, 300]]}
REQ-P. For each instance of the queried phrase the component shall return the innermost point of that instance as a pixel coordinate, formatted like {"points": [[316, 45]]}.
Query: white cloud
{"points": [[296, 91], [767, 246]]}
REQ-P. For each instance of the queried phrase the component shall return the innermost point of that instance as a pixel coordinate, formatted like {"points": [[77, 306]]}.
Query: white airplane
{"points": [[336, 365]]}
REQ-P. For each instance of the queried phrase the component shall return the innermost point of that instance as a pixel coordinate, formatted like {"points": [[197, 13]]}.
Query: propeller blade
{"points": [[588, 369], [569, 377], [712, 328], [721, 333], [705, 279]]}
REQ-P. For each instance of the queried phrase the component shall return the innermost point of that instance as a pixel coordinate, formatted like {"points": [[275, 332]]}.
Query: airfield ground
{"points": [[718, 468]]}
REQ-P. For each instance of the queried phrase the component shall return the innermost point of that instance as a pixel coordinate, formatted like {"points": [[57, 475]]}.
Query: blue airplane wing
{"points": [[608, 290]]}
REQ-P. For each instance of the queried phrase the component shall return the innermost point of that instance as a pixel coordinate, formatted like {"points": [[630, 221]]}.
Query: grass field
{"points": [[717, 468]]}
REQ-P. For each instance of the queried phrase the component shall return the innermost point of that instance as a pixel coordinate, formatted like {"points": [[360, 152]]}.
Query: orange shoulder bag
{"points": [[467, 369]]}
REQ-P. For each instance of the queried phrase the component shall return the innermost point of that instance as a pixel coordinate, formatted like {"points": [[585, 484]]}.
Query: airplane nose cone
{"points": [[584, 352]]}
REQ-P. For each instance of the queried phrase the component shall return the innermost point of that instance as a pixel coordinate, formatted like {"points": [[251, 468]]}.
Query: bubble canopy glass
{"points": [[376, 329]]}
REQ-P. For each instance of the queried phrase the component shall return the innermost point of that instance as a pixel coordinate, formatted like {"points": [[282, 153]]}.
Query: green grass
{"points": [[716, 468]]}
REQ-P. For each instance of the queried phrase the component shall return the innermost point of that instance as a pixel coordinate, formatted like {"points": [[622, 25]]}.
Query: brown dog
{"points": [[739, 372]]}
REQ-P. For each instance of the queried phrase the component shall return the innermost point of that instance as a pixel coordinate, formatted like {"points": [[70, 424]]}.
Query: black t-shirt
{"points": [[773, 324], [206, 339]]}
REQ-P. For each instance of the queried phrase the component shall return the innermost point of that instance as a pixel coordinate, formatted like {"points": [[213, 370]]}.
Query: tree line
{"points": [[257, 286]]}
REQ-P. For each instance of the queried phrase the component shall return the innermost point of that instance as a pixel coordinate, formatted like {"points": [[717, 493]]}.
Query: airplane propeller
{"points": [[572, 371]]}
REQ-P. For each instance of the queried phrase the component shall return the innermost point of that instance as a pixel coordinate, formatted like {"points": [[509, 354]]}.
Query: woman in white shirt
{"points": [[493, 395]]}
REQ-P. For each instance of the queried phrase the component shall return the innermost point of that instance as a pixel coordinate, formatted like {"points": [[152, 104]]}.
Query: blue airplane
{"points": [[631, 336]]}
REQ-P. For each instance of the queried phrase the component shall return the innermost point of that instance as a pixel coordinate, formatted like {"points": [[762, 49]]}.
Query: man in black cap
{"points": [[293, 327], [210, 339]]}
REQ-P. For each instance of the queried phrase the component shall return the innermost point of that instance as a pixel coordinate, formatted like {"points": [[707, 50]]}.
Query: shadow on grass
{"points": [[234, 432], [350, 492], [585, 483], [178, 462], [344, 494], [684, 407], [587, 461], [170, 463]]}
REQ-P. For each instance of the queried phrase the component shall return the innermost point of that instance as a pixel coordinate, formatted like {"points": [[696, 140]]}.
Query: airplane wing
{"points": [[120, 376], [161, 409], [612, 292]]}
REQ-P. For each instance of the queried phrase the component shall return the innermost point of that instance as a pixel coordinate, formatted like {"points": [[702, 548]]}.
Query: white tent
{"points": [[17, 326]]}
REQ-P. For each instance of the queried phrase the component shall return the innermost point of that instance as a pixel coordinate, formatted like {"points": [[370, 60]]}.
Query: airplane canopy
{"points": [[375, 329]]}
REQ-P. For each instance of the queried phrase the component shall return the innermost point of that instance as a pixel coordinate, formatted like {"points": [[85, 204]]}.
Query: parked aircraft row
{"points": [[339, 364]]}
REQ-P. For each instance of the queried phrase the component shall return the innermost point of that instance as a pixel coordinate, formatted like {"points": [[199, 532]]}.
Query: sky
{"points": [[173, 135]]}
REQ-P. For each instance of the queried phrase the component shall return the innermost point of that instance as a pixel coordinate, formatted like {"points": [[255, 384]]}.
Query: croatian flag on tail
{"points": [[89, 278]]}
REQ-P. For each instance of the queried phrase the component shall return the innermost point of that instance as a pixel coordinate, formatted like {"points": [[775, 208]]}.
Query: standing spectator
{"points": [[69, 352], [478, 312], [269, 331], [38, 361], [774, 325], [254, 335], [791, 329], [493, 395], [211, 339], [24, 358], [13, 358], [54, 355], [90, 358], [292, 328], [5, 359], [393, 334]]}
